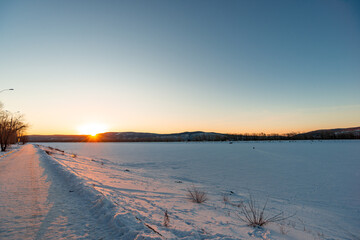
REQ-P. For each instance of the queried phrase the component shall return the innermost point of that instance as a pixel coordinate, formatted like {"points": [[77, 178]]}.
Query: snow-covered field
{"points": [[316, 182]]}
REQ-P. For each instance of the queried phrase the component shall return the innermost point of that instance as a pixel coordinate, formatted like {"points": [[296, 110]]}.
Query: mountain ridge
{"points": [[336, 133]]}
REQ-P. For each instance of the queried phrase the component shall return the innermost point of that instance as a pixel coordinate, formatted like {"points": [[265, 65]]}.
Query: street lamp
{"points": [[9, 89]]}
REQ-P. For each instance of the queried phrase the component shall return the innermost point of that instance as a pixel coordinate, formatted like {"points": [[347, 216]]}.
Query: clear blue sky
{"points": [[171, 66]]}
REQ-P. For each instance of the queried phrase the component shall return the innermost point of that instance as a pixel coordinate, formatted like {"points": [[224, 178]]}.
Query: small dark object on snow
{"points": [[71, 190], [231, 192], [253, 147], [178, 181], [166, 219], [127, 170]]}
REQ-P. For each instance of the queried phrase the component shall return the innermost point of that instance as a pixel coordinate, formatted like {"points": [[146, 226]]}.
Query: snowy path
{"points": [[36, 203]]}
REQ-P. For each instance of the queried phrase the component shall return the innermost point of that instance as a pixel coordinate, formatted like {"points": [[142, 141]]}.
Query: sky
{"points": [[172, 66]]}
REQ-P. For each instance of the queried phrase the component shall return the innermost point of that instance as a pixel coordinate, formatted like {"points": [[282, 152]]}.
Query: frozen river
{"points": [[299, 176]]}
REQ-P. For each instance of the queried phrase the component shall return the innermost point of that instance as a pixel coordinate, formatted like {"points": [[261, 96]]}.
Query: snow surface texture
{"points": [[316, 181], [38, 200]]}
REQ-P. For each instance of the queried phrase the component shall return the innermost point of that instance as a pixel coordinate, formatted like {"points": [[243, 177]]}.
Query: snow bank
{"points": [[103, 209], [134, 204]]}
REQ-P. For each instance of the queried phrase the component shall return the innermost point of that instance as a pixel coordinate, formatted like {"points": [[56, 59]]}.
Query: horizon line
{"points": [[239, 133]]}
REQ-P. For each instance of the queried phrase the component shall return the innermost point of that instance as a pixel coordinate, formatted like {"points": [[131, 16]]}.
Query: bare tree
{"points": [[11, 124], [22, 137]]}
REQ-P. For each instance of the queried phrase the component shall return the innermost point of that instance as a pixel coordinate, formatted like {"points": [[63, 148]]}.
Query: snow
{"points": [[122, 190], [41, 200], [137, 182]]}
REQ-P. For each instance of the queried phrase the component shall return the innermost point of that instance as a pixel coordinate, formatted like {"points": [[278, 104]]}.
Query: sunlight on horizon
{"points": [[92, 129]]}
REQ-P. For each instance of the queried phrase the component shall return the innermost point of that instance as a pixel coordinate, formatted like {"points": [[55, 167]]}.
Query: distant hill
{"points": [[155, 137], [58, 138], [339, 133], [131, 137]]}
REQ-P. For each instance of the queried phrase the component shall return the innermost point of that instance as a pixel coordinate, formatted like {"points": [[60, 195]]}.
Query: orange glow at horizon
{"points": [[92, 129]]}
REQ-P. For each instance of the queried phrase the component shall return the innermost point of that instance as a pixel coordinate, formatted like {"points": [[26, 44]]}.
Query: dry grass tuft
{"points": [[254, 216], [196, 195], [166, 219]]}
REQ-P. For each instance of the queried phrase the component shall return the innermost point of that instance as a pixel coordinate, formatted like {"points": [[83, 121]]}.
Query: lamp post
{"points": [[9, 89]]}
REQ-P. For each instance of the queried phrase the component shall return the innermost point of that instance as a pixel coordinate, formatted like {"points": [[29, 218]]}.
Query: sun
{"points": [[92, 129]]}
